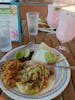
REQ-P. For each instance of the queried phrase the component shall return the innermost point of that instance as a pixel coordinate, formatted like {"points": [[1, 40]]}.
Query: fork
{"points": [[64, 67]]}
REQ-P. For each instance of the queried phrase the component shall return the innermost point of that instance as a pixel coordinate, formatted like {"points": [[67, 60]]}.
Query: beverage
{"points": [[53, 15], [33, 28], [32, 21], [5, 41], [66, 27]]}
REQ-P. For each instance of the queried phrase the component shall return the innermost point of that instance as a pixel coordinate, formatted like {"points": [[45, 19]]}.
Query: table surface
{"points": [[51, 40]]}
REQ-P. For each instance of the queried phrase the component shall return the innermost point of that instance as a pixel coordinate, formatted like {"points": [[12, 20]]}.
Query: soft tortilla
{"points": [[49, 87]]}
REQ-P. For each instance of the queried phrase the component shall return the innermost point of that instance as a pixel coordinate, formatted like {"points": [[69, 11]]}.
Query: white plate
{"points": [[62, 79], [47, 30]]}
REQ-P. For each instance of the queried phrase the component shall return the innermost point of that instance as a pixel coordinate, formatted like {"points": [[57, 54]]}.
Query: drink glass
{"points": [[5, 41], [32, 21], [53, 15], [66, 28]]}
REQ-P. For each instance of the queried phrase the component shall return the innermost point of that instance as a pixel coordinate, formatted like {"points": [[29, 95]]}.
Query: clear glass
{"points": [[32, 21], [5, 41], [66, 28]]}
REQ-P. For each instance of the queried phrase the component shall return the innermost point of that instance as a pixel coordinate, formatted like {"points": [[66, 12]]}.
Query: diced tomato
{"points": [[46, 78]]}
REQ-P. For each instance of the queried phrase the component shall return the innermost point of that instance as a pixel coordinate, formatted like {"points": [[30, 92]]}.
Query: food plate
{"points": [[62, 79], [44, 27]]}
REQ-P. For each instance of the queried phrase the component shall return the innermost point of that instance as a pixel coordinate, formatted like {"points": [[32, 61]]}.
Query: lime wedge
{"points": [[43, 20], [57, 8], [26, 53], [19, 55], [50, 57]]}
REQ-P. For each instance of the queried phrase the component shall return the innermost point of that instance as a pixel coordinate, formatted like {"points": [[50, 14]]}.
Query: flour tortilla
{"points": [[48, 88]]}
